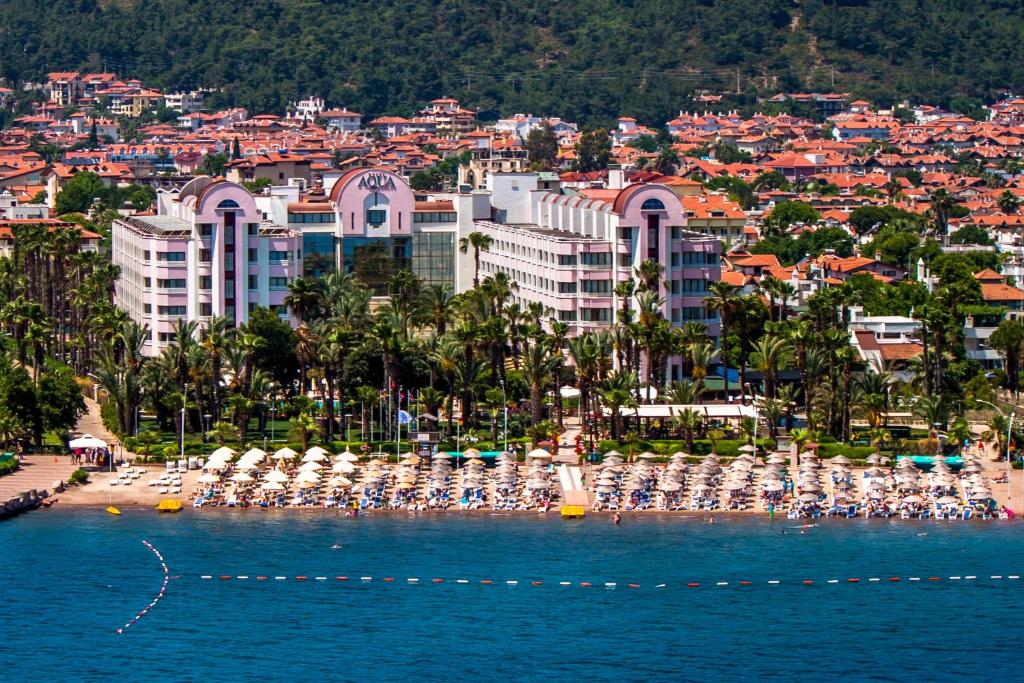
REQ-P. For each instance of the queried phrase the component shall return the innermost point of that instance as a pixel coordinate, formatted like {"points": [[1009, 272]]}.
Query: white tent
{"points": [[87, 441]]}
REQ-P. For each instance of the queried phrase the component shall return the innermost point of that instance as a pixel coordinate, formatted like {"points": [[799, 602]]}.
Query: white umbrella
{"points": [[214, 465], [284, 454], [223, 452], [646, 455], [315, 457], [346, 457], [343, 468], [87, 441], [339, 481], [308, 477], [208, 479], [747, 448], [273, 486], [538, 454], [256, 454], [276, 476], [242, 478], [310, 467]]}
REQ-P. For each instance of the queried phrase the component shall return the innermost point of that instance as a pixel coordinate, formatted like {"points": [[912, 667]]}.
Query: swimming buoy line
{"points": [[163, 590], [609, 585]]}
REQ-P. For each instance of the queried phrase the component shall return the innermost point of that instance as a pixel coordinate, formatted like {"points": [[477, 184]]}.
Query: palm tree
{"points": [[934, 410], [723, 300], [437, 307], [1009, 339], [1008, 202], [477, 241], [616, 394], [304, 299], [800, 438], [941, 203], [538, 364], [689, 421], [367, 396], [303, 426], [770, 355], [214, 339], [559, 334]]}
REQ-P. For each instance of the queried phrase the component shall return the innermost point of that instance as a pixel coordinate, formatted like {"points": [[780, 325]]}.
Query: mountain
{"points": [[589, 61]]}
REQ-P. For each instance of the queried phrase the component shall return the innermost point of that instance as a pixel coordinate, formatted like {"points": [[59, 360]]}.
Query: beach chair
{"points": [[198, 502], [968, 513]]}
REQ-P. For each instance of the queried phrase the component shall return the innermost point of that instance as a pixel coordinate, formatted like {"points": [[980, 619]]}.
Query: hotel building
{"points": [[209, 251]]}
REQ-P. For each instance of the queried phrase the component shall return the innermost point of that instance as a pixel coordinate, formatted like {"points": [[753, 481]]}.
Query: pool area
{"points": [[925, 462]]}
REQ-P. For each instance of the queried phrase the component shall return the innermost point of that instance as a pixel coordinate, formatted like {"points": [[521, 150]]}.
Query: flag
{"points": [[404, 418]]}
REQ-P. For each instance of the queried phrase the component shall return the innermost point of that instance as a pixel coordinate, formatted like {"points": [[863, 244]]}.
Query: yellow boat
{"points": [[169, 506], [113, 510], [573, 512]]}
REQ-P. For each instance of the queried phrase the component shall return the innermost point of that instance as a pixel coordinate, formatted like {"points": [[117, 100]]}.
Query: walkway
{"points": [[36, 472]]}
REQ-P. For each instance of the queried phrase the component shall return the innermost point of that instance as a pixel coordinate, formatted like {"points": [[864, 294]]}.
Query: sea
{"points": [[504, 598]]}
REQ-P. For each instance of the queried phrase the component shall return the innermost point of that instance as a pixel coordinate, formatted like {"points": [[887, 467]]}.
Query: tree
{"points": [[477, 241], [94, 139], [60, 397], [724, 300], [236, 149], [303, 426], [787, 213], [941, 204], [542, 146], [593, 149], [214, 164], [78, 194], [728, 153], [304, 299], [971, 234], [1008, 338], [1008, 203]]}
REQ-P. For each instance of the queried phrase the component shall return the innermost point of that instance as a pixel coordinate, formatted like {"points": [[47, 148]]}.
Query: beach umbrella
{"points": [[242, 478], [346, 457], [214, 465], [470, 453], [276, 475], [284, 454], [538, 454], [912, 499], [404, 486], [224, 452], [807, 454], [255, 454], [441, 455], [208, 479], [339, 481], [308, 478], [875, 459], [747, 448], [807, 497], [840, 460], [410, 461], [343, 468], [874, 472], [310, 467], [315, 456], [273, 486], [947, 500], [474, 462], [647, 455], [810, 487], [773, 486]]}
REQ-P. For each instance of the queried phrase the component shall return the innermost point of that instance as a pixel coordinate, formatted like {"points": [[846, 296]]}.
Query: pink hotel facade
{"points": [[208, 252], [215, 249]]}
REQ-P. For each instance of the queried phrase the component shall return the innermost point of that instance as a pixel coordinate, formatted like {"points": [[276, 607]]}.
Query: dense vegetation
{"points": [[587, 61]]}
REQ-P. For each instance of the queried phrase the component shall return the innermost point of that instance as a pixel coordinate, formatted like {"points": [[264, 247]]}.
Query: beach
{"points": [[99, 492]]}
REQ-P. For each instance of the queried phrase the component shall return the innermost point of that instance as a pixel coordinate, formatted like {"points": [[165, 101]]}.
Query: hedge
{"points": [[8, 466]]}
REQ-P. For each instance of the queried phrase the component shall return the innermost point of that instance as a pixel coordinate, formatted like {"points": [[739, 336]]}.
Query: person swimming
{"points": [[712, 520], [616, 518], [336, 546]]}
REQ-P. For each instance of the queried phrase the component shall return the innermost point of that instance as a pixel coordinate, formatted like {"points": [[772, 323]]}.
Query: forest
{"points": [[584, 61]]}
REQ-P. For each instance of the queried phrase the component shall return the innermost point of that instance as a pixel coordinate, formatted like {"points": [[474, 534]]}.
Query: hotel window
{"points": [[170, 310], [254, 281], [147, 308], [693, 313], [376, 216], [167, 336], [205, 229], [253, 229], [695, 286], [626, 234], [147, 282], [597, 286], [171, 283], [171, 256], [567, 316], [596, 315], [601, 258], [675, 259], [675, 286], [205, 310], [205, 282], [278, 256], [566, 287], [147, 255], [677, 233], [278, 283], [253, 255], [204, 255]]}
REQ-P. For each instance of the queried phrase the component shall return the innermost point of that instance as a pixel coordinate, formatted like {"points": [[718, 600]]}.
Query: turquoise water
{"points": [[70, 578]]}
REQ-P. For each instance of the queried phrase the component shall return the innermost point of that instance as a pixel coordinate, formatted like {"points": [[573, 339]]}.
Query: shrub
{"points": [[8, 466], [79, 476]]}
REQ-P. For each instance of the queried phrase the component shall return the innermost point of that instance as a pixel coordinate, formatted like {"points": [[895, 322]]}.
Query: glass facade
{"points": [[317, 254], [433, 258], [375, 259]]}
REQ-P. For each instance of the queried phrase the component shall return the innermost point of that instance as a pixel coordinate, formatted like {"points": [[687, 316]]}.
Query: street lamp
{"points": [[348, 416], [273, 420], [184, 399], [504, 407], [206, 420]]}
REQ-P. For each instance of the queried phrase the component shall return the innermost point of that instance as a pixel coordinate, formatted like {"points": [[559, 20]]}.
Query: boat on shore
{"points": [[169, 506]]}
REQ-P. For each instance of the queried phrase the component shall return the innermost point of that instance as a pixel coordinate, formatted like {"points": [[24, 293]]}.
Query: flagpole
{"points": [[398, 428]]}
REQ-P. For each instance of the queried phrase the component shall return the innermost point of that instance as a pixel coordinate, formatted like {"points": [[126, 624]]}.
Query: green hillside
{"points": [[582, 60]]}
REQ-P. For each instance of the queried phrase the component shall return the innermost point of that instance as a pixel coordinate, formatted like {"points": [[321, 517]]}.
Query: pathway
{"points": [[36, 472]]}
